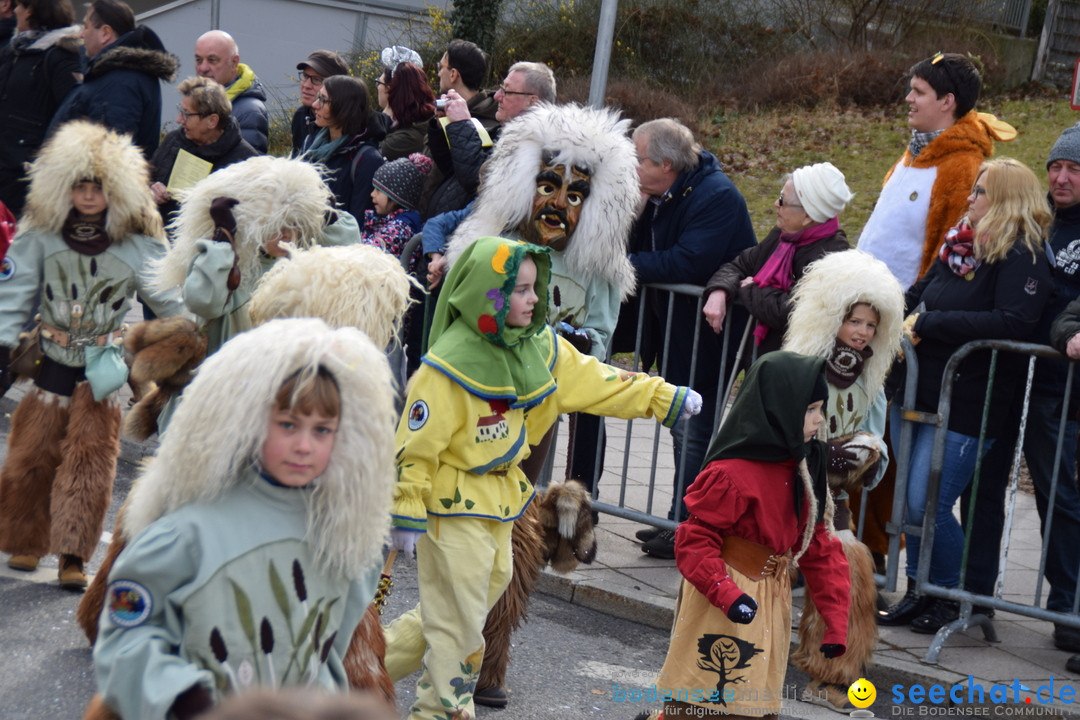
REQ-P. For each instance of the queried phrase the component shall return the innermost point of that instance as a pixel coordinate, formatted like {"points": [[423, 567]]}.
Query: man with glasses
{"points": [[694, 221], [218, 58], [319, 65]]}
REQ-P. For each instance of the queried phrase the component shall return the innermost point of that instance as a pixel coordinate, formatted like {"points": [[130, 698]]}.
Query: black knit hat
{"points": [[403, 179]]}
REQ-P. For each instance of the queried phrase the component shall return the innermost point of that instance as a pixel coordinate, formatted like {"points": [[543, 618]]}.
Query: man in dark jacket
{"points": [[462, 138], [693, 222], [1044, 418], [218, 58], [121, 85], [319, 65]]}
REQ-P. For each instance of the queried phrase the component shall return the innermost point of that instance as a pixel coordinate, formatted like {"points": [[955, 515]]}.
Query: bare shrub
{"points": [[636, 99]]}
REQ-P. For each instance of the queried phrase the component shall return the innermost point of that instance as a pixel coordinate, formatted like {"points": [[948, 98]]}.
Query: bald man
{"points": [[218, 58]]}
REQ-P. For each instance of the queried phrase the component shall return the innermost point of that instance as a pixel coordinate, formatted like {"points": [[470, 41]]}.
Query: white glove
{"points": [[692, 406], [404, 540]]}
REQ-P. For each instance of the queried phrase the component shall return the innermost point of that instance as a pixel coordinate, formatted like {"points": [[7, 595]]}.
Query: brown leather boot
{"points": [[72, 575]]}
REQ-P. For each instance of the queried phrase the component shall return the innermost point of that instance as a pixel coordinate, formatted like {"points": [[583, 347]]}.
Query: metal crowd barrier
{"points": [[940, 420]]}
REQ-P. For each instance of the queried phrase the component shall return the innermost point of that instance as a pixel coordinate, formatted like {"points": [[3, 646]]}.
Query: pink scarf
{"points": [[776, 272]]}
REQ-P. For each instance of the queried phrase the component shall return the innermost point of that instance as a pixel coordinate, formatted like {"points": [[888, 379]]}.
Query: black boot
{"points": [[940, 612], [911, 606]]}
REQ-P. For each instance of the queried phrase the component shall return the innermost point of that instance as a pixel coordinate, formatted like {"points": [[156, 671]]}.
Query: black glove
{"points": [[576, 337], [743, 610], [832, 650], [192, 702], [222, 215], [840, 458]]}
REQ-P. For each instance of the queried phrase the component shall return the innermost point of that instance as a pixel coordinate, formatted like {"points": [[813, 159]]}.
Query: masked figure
{"points": [[563, 177]]}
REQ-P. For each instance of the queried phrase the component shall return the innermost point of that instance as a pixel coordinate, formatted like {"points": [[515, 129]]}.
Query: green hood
{"points": [[469, 339], [767, 417]]}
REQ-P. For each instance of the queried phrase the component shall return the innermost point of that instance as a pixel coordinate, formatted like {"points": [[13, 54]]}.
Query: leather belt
{"points": [[753, 560], [65, 339]]}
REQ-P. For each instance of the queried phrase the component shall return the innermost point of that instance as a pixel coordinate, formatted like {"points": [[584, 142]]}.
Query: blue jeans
{"points": [[957, 469], [691, 437]]}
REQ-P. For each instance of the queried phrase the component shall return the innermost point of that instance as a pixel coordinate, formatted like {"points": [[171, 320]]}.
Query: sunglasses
{"points": [[780, 201]]}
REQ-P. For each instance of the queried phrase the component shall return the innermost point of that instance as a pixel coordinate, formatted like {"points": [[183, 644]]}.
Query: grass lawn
{"points": [[758, 149]]}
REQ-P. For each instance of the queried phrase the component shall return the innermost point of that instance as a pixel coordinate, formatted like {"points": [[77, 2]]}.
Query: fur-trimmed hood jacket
{"points": [[36, 74], [825, 295], [569, 135], [121, 88]]}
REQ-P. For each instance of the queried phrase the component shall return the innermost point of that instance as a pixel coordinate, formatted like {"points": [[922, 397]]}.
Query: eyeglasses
{"points": [[504, 91], [180, 111], [780, 202], [382, 84], [322, 99], [313, 79]]}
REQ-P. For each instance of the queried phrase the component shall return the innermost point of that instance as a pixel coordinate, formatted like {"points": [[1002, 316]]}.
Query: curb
{"points": [[659, 612], [656, 611]]}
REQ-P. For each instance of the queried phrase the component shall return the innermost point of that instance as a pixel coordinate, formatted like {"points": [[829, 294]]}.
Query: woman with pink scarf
{"points": [[761, 277]]}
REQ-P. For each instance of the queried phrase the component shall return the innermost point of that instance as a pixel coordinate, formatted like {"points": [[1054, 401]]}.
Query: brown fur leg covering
{"points": [[364, 660], [37, 431], [566, 524], [98, 710], [509, 611], [862, 626], [83, 485], [88, 613]]}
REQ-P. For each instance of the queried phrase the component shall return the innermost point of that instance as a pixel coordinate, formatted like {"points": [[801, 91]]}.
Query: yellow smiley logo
{"points": [[862, 693]]}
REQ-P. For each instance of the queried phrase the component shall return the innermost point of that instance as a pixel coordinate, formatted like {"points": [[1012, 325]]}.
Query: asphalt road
{"points": [[565, 660]]}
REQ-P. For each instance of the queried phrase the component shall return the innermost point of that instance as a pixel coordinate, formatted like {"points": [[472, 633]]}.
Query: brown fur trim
{"points": [[165, 353], [566, 519], [88, 613], [865, 446], [141, 420], [98, 710], [510, 609], [862, 627], [364, 660], [83, 486], [34, 443]]}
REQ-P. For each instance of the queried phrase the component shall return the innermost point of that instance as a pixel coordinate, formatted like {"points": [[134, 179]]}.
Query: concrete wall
{"points": [[274, 35]]}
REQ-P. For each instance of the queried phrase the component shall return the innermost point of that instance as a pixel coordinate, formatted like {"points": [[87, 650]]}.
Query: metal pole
{"points": [[215, 14], [605, 31], [1046, 40]]}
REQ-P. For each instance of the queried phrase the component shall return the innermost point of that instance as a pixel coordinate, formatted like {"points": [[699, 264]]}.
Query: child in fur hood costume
{"points": [[460, 488], [564, 177], [848, 309], [759, 505], [355, 285], [235, 221], [86, 239], [264, 507]]}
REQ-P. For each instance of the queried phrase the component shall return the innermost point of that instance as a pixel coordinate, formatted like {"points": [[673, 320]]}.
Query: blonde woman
{"points": [[990, 281]]}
